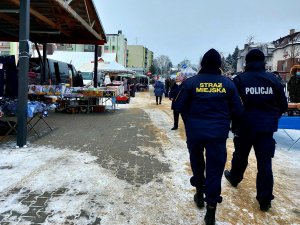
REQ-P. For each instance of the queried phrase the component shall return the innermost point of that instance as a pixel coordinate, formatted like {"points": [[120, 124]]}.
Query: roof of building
{"points": [[281, 42], [54, 21]]}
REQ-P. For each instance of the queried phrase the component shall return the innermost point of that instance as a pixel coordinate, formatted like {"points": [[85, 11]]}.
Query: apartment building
{"points": [[117, 43], [4, 48], [140, 58]]}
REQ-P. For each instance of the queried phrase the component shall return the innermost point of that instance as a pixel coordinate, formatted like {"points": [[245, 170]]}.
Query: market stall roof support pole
{"points": [[45, 78], [23, 73], [96, 67]]}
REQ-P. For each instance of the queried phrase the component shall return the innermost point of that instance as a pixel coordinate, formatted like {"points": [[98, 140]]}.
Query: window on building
{"points": [[4, 52], [89, 48], [106, 48], [284, 65], [113, 48]]}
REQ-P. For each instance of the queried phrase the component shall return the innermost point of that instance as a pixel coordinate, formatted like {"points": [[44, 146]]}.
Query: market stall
{"points": [[142, 81], [75, 99]]}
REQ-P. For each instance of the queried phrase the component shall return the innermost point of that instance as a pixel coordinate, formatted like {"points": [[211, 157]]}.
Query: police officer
{"points": [[208, 101], [264, 101]]}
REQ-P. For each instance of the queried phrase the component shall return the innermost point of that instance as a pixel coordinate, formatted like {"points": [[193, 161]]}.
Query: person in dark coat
{"points": [[78, 80], [278, 77], [294, 87], [264, 101], [167, 86], [132, 86], [159, 89], [175, 90], [172, 82], [209, 102]]}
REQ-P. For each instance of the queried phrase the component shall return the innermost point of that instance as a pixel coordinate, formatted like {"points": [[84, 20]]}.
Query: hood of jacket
{"points": [[255, 60], [211, 62]]}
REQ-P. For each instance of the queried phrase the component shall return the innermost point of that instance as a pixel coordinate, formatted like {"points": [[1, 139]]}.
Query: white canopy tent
{"points": [[110, 67], [188, 72]]}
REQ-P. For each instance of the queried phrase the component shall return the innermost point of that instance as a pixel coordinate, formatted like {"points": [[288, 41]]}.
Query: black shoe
{"points": [[174, 128], [156, 103], [198, 199], [160, 103], [265, 206], [210, 215], [227, 176]]}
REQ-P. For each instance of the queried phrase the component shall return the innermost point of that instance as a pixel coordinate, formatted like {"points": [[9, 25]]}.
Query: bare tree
{"points": [[164, 63], [250, 39]]}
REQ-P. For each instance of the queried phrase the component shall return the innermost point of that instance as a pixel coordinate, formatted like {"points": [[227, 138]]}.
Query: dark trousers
{"points": [[215, 162], [160, 97], [176, 118], [264, 147], [167, 92]]}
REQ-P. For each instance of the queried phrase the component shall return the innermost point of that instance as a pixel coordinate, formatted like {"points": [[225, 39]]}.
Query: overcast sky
{"points": [[187, 29]]}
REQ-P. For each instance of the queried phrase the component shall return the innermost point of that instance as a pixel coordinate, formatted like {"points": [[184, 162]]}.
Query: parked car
{"points": [[56, 72]]}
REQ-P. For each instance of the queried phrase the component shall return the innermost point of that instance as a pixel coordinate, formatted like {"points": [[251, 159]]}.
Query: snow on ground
{"points": [[95, 192], [288, 139]]}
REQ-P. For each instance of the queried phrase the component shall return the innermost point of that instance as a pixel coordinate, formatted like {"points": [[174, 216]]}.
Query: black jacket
{"points": [[209, 102], [263, 98], [294, 89], [175, 90]]}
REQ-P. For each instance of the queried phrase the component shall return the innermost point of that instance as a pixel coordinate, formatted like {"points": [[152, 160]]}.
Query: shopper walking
{"points": [[175, 90], [264, 100], [209, 101], [159, 89]]}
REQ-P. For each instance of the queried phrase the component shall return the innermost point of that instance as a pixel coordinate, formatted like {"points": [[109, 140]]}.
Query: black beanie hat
{"points": [[211, 60], [255, 55]]}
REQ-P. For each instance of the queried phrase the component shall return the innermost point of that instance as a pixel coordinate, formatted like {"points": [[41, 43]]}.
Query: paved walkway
{"points": [[114, 138]]}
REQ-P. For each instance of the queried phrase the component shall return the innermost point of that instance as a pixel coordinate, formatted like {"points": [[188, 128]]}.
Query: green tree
{"points": [[235, 56], [152, 69], [227, 65]]}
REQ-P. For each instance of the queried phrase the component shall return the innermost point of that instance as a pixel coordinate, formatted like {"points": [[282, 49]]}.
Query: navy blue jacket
{"points": [[159, 88], [209, 102], [175, 90], [263, 97]]}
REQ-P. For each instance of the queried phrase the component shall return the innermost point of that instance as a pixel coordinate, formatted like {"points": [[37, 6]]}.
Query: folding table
{"points": [[31, 123]]}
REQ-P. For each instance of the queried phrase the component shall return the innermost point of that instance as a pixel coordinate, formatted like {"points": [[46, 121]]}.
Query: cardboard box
{"points": [[99, 108]]}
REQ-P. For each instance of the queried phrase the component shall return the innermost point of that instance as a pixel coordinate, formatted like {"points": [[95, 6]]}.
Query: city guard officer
{"points": [[264, 101], [209, 101]]}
